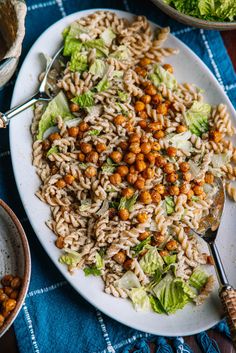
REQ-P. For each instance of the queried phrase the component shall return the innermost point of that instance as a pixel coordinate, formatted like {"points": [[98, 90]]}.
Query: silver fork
{"points": [[208, 230], [40, 95]]}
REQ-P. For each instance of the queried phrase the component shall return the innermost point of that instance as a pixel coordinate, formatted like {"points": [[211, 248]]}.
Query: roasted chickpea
{"points": [[143, 236], [161, 161], [3, 297], [60, 242], [86, 147], [187, 176], [210, 260], [83, 126], [142, 124], [8, 290], [185, 188], [157, 98], [130, 158], [123, 145], [150, 157], [54, 136], [168, 68], [140, 166], [216, 136], [123, 170], [127, 264], [190, 194], [171, 178], [132, 169], [14, 294], [162, 108], [90, 172], [101, 147], [123, 214], [74, 107], [46, 145], [129, 127], [16, 283], [139, 184], [135, 147], [156, 146], [169, 168], [150, 90], [163, 253], [2, 319], [115, 179], [156, 197], [145, 197], [171, 245], [184, 167], [120, 257], [140, 157], [181, 128], [119, 119], [116, 156], [146, 99], [159, 238], [144, 62], [142, 217], [9, 304], [73, 131], [69, 179], [174, 190], [134, 138], [143, 114], [60, 183], [146, 147], [209, 178], [139, 106], [159, 134], [198, 190], [171, 151], [81, 157], [92, 157], [131, 178], [142, 72], [127, 192], [148, 173], [155, 126], [6, 280], [160, 188]]}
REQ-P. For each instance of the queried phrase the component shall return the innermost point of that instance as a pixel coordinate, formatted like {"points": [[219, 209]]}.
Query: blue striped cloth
{"points": [[54, 318]]}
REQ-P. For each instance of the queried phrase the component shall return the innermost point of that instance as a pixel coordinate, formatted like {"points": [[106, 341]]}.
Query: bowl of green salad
{"points": [[208, 14]]}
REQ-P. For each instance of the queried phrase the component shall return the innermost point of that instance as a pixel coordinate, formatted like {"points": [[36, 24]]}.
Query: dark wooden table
{"points": [[8, 341]]}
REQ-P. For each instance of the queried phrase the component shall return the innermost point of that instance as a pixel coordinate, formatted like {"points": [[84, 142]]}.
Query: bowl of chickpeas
{"points": [[15, 267]]}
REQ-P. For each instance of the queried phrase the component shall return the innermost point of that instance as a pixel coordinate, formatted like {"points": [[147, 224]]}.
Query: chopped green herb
{"points": [[92, 271], [94, 132]]}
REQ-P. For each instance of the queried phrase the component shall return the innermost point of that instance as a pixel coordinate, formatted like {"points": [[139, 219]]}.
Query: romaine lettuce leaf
{"points": [[70, 258], [180, 141], [99, 261], [123, 96], [161, 75], [156, 305], [94, 132], [170, 259], [98, 68], [122, 53], [128, 281], [197, 118], [139, 247], [71, 34], [109, 166], [107, 36], [198, 278], [103, 85], [93, 270], [128, 203], [99, 45], [169, 204], [84, 100], [78, 62], [58, 106], [151, 261], [140, 299], [221, 159], [52, 150]]}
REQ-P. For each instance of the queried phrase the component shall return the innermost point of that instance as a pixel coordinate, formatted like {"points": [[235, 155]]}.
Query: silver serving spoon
{"points": [[41, 95], [208, 230]]}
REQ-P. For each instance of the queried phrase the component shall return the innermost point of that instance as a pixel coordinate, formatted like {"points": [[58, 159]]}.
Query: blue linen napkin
{"points": [[54, 318]]}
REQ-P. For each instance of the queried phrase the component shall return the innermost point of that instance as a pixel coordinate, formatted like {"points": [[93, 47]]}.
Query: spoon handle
{"points": [[228, 299]]}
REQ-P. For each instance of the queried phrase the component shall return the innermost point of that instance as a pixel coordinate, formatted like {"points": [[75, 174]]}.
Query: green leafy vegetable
{"points": [[195, 198], [151, 261], [92, 271], [78, 62], [99, 261], [122, 53], [140, 299], [197, 118], [103, 85], [52, 150], [94, 132], [85, 205], [161, 75], [107, 36], [70, 258], [180, 141], [170, 259], [123, 96], [71, 46], [128, 281], [170, 205], [138, 248], [109, 166], [84, 100], [71, 34], [58, 106], [156, 305], [128, 203], [198, 279], [98, 68], [99, 45], [114, 204]]}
